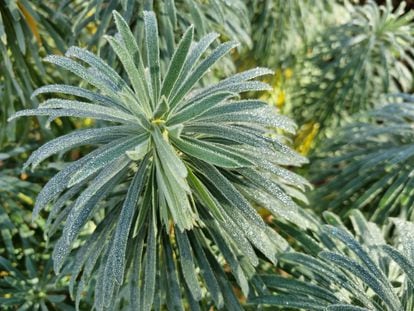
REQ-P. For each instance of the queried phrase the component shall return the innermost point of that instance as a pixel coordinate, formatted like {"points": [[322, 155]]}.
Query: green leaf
{"points": [[174, 294], [343, 307], [401, 260], [198, 108], [323, 296], [289, 301], [129, 56], [195, 53], [205, 196], [200, 70], [75, 139], [177, 63], [116, 255], [153, 53], [115, 150], [150, 264], [215, 154], [383, 291], [78, 92], [187, 264], [83, 207], [207, 272], [168, 155], [227, 189]]}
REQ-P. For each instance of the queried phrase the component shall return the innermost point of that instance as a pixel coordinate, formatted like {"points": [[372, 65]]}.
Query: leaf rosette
{"points": [[177, 172]]}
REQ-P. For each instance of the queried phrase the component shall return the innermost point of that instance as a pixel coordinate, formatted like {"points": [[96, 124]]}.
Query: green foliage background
{"points": [[166, 168]]}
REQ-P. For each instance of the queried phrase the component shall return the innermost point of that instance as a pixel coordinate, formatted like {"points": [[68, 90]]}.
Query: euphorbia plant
{"points": [[176, 173]]}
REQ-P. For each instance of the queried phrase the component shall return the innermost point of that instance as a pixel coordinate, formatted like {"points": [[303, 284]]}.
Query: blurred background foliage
{"points": [[343, 70]]}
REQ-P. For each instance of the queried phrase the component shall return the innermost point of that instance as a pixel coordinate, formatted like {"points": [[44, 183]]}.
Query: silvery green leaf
{"points": [[135, 75], [263, 116], [236, 268], [235, 233], [343, 307], [92, 76], [289, 301], [75, 139], [383, 290], [230, 192], [153, 53], [207, 273], [177, 62], [401, 260], [243, 106], [83, 207], [99, 64], [174, 293], [117, 149], [116, 255], [257, 235], [345, 237], [405, 234], [87, 111], [196, 51], [235, 87], [187, 263], [79, 92], [198, 108], [168, 155], [234, 133], [323, 295], [200, 70], [59, 182], [175, 193], [204, 195], [150, 264], [215, 154]]}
